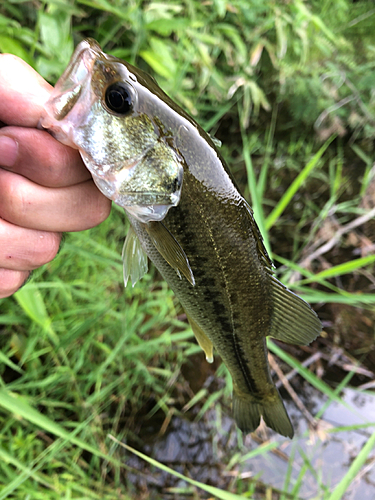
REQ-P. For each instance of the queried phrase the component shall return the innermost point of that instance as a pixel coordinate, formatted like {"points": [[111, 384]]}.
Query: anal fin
{"points": [[204, 342], [170, 249]]}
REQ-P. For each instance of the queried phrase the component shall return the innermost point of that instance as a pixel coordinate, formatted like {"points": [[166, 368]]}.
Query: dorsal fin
{"points": [[262, 251], [170, 249], [293, 320]]}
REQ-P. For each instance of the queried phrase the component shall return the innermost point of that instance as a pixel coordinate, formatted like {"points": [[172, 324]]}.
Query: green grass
{"points": [[85, 363]]}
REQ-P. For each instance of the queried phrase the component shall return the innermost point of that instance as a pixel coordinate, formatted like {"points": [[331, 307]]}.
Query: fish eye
{"points": [[118, 98]]}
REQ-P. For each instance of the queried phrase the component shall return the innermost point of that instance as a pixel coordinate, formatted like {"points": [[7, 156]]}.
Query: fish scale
{"points": [[186, 213]]}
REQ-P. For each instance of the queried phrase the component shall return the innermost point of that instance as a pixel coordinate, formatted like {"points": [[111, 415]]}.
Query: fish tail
{"points": [[247, 412]]}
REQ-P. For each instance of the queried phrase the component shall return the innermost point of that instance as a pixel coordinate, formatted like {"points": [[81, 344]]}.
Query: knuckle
{"points": [[46, 249], [14, 200], [96, 207], [11, 281], [55, 159], [104, 209]]}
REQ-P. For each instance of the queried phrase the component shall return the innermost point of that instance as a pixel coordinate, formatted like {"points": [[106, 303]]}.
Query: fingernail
{"points": [[8, 151]]}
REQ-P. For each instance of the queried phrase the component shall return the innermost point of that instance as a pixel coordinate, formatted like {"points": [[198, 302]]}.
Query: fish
{"points": [[187, 216]]}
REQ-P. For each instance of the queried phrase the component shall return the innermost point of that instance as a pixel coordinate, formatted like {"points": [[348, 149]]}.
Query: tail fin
{"points": [[247, 413]]}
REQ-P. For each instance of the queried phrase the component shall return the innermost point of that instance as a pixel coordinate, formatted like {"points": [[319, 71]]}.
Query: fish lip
{"points": [[87, 51], [67, 90]]}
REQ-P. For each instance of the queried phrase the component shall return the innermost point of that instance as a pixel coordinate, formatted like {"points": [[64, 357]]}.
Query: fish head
{"points": [[105, 108]]}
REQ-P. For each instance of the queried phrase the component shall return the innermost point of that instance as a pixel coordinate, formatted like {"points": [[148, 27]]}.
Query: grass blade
{"points": [[353, 299], [305, 372], [32, 302], [19, 406], [256, 198], [221, 494], [354, 469], [340, 269], [293, 188]]}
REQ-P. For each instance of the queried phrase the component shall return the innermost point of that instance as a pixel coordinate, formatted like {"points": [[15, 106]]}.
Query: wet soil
{"points": [[212, 450]]}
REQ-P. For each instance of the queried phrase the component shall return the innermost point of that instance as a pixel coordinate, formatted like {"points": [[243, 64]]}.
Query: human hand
{"points": [[45, 189]]}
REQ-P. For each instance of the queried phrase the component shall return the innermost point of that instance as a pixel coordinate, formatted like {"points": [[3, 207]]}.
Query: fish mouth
{"points": [[69, 90], [70, 85]]}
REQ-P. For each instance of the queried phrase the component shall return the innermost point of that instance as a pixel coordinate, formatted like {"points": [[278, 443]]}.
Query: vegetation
{"points": [[88, 366]]}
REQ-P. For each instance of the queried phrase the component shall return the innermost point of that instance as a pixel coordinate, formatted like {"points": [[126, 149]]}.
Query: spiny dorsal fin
{"points": [[170, 249], [262, 252], [134, 258], [293, 320], [204, 342]]}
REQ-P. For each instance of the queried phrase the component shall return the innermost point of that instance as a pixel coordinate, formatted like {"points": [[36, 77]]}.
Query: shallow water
{"points": [[202, 450]]}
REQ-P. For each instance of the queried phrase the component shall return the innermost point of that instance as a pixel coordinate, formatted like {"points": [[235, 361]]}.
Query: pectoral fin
{"points": [[134, 258], [204, 342], [293, 320], [170, 249]]}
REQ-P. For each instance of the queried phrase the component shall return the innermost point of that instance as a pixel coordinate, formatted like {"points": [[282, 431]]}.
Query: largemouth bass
{"points": [[150, 157]]}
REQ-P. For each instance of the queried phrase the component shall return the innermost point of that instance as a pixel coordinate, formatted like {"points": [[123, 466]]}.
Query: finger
{"points": [[23, 92], [38, 156], [72, 208], [26, 249], [11, 281]]}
